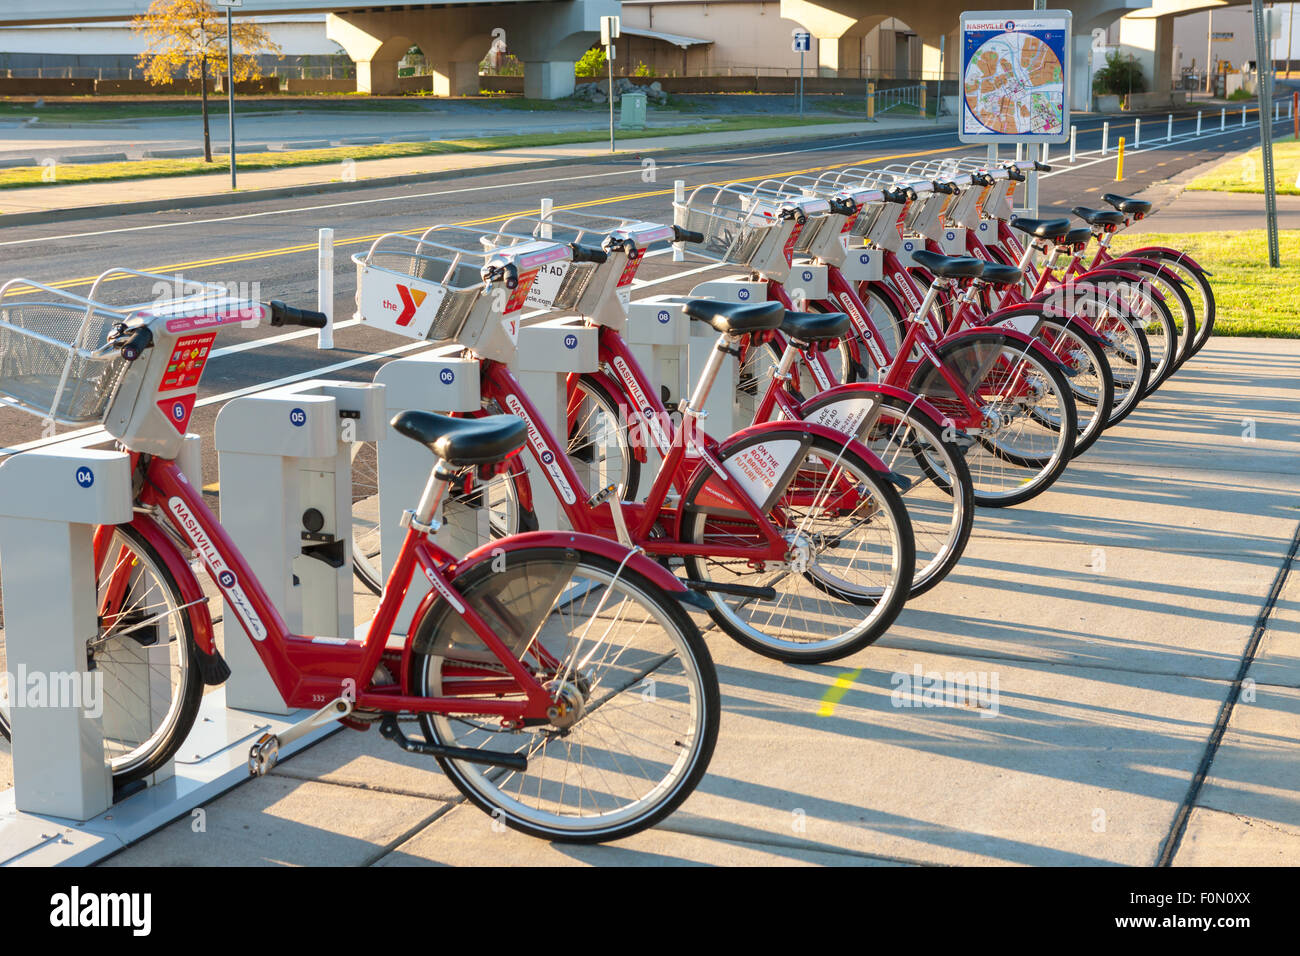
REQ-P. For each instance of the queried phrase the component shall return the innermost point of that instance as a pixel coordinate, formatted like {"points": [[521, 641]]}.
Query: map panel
{"points": [[1015, 76]]}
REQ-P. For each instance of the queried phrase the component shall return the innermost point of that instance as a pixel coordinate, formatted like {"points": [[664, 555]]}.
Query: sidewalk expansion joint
{"points": [[1184, 813], [787, 843], [1035, 661], [411, 832]]}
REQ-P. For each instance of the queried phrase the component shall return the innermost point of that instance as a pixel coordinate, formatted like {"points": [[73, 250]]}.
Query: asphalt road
{"points": [[271, 246]]}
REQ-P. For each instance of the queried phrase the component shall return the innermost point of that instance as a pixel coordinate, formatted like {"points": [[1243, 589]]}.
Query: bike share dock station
{"points": [[284, 458]]}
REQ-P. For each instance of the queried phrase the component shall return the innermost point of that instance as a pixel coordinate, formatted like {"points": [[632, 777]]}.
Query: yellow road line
{"points": [[837, 692], [357, 240]]}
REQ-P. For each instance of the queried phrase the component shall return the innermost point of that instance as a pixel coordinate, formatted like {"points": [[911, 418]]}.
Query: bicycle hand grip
{"points": [[687, 235], [583, 253], [282, 314], [946, 188], [843, 206], [131, 341], [1042, 167]]}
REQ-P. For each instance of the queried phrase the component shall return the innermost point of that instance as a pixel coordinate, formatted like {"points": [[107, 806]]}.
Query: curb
{"points": [[311, 189]]}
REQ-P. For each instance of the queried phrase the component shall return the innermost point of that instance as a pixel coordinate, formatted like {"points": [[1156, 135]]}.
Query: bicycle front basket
{"points": [[46, 361]]}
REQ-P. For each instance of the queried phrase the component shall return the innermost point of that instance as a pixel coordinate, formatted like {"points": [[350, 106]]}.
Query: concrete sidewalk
{"points": [[140, 195], [1115, 613]]}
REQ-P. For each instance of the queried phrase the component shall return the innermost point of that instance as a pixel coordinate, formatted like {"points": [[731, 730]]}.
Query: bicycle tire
{"points": [[990, 351], [155, 750], [941, 518], [826, 595], [682, 670]]}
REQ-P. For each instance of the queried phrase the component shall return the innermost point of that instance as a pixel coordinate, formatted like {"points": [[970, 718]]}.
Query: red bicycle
{"points": [[793, 533], [564, 688]]}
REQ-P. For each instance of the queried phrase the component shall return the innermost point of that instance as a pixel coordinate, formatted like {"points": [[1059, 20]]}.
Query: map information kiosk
{"points": [[1015, 73]]}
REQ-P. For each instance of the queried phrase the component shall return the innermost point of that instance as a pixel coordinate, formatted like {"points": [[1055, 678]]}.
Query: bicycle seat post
{"points": [[693, 408], [423, 517]]}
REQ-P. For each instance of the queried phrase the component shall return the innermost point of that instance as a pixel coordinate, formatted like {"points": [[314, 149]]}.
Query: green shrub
{"points": [[1120, 75], [643, 70], [592, 63]]}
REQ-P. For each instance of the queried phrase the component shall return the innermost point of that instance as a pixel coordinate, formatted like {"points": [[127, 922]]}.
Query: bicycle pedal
{"points": [[263, 755]]}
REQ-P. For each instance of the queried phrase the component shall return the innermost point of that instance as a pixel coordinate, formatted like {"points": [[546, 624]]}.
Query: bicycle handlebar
{"points": [[946, 188], [129, 340], [496, 270], [843, 206], [583, 253], [1042, 167], [687, 235], [282, 314]]}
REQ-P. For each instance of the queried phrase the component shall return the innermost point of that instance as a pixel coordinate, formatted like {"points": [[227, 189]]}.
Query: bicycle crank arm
{"points": [[739, 590], [265, 754], [389, 730]]}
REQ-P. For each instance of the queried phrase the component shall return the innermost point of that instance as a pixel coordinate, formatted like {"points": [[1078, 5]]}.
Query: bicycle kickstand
{"points": [[266, 752]]}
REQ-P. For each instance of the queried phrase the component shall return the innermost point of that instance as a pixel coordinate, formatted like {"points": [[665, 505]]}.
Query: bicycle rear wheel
{"points": [[935, 482], [1030, 422], [142, 662], [637, 685], [1198, 289], [851, 557]]}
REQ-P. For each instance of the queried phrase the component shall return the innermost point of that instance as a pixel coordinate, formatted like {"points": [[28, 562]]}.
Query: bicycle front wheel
{"points": [[1027, 434], [847, 571], [142, 661], [637, 708]]}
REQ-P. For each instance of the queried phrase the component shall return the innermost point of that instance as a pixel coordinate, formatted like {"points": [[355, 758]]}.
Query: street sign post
{"points": [[801, 44], [1264, 90], [609, 32], [230, 77]]}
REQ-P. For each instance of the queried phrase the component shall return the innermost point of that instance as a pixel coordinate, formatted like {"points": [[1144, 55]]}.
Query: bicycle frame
{"points": [[310, 671]]}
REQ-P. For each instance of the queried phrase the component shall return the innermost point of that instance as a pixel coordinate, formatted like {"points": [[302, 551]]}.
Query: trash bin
{"points": [[632, 111]]}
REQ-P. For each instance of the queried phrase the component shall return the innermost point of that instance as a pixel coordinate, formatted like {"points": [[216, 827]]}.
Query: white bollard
{"points": [[325, 287], [1044, 160], [1169, 128], [1105, 136], [1198, 122], [1137, 132], [1223, 118], [1243, 117], [1074, 142], [544, 210], [679, 196]]}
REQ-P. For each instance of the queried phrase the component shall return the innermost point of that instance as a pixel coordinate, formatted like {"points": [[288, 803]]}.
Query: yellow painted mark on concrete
{"points": [[212, 487], [837, 692]]}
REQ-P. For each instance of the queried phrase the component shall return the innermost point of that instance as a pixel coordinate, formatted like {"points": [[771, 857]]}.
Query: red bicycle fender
{"points": [[1172, 253], [605, 547], [887, 290], [1103, 273], [1038, 307], [1043, 351], [1163, 270], [820, 430], [638, 440], [183, 575], [918, 403]]}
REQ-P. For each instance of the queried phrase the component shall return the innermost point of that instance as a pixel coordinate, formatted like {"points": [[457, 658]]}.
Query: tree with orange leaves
{"points": [[186, 37]]}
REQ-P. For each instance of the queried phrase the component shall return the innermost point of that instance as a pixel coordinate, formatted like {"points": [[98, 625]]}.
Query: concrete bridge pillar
{"points": [[374, 46], [839, 56], [1081, 72], [548, 79], [455, 78], [1151, 41]]}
